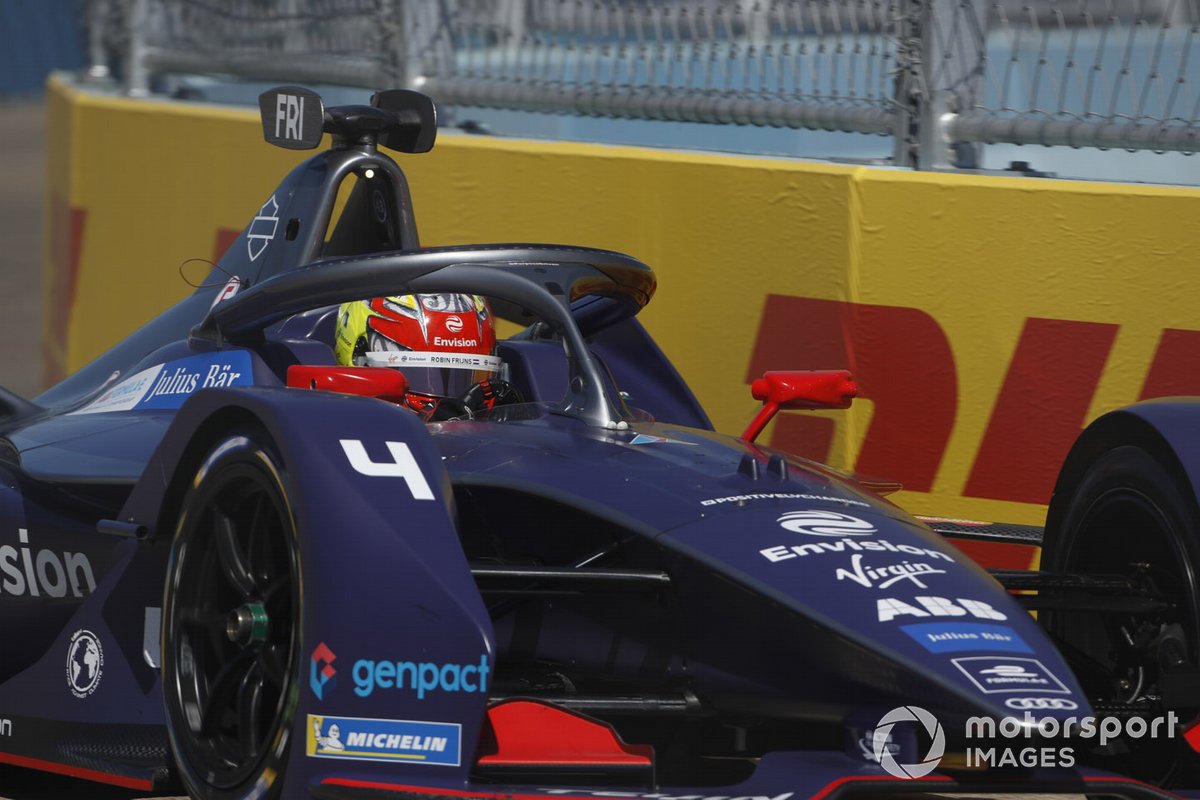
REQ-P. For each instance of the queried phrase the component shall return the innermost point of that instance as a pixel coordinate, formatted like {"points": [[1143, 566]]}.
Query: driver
{"points": [[445, 344]]}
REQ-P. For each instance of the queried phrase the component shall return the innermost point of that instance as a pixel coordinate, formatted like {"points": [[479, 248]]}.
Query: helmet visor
{"points": [[437, 373]]}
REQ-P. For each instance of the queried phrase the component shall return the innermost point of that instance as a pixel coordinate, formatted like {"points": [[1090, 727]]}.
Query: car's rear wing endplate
{"points": [[295, 118], [292, 117]]}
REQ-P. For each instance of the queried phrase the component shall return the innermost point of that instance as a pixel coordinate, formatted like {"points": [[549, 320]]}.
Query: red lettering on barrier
{"points": [[1176, 366], [805, 435], [1041, 409], [66, 247], [883, 347], [223, 241]]}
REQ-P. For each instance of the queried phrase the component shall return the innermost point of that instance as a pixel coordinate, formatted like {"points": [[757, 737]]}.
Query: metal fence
{"points": [[940, 76]]}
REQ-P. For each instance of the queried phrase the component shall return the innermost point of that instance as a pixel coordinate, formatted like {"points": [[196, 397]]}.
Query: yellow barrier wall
{"points": [[987, 318]]}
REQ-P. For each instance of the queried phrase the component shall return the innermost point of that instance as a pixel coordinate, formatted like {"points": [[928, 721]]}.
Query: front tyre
{"points": [[231, 624], [1130, 515]]}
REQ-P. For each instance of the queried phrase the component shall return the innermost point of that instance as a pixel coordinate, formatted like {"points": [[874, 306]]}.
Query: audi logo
{"points": [[1041, 704]]}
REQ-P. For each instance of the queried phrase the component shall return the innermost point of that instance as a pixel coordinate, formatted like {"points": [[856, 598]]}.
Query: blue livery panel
{"points": [[894, 586], [168, 385]]}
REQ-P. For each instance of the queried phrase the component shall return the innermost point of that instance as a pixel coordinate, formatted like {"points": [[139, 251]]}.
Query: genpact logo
{"points": [[825, 523], [321, 674], [421, 678]]}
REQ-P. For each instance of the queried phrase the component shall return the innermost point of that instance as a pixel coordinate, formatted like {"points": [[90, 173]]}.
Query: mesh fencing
{"points": [[1088, 74], [939, 76]]}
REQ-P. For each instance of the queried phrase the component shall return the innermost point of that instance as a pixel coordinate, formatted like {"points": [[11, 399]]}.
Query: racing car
{"points": [[233, 563]]}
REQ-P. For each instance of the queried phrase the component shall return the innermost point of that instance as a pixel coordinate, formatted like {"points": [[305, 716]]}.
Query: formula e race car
{"points": [[231, 562]]}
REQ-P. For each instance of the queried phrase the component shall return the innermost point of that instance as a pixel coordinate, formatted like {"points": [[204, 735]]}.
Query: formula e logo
{"points": [[85, 662], [1041, 704], [321, 674], [1021, 675], [454, 324], [825, 523]]}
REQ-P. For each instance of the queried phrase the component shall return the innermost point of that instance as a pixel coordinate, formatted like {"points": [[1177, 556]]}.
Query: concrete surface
{"points": [[22, 179]]}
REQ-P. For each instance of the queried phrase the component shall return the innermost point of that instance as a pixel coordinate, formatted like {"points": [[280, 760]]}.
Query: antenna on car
{"points": [[295, 118]]}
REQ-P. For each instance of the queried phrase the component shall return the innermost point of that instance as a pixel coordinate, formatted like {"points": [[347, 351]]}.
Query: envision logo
{"points": [[825, 523], [885, 755], [44, 572]]}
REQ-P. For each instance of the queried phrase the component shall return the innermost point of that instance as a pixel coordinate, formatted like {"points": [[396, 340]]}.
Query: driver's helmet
{"points": [[443, 343]]}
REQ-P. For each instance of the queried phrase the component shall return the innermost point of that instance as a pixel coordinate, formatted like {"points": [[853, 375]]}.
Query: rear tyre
{"points": [[1130, 515], [231, 624]]}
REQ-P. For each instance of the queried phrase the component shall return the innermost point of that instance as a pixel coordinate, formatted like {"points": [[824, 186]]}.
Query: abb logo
{"points": [[903, 363]]}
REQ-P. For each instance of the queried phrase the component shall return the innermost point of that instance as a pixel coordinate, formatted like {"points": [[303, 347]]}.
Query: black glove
{"points": [[438, 409], [486, 395]]}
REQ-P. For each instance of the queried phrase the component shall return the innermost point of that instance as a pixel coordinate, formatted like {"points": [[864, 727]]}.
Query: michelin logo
{"points": [[168, 385], [361, 739]]}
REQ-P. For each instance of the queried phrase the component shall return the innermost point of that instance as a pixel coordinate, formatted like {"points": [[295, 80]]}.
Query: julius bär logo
{"points": [[321, 674]]}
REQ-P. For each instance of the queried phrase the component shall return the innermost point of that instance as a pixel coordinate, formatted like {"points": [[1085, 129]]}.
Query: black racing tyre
{"points": [[231, 624], [1133, 516]]}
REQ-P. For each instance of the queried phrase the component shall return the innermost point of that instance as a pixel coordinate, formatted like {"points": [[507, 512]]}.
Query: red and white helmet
{"points": [[443, 343]]}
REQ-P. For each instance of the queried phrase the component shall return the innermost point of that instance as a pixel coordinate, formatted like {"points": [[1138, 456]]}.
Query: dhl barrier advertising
{"points": [[987, 319]]}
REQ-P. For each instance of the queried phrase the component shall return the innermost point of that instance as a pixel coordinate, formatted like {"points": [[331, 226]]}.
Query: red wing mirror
{"points": [[382, 382], [812, 389]]}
